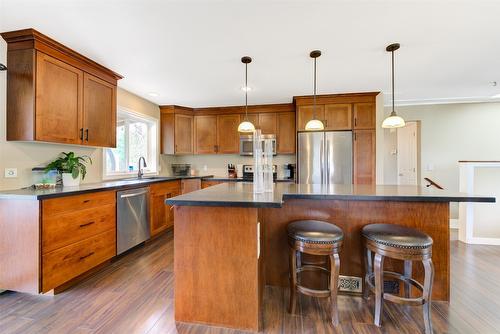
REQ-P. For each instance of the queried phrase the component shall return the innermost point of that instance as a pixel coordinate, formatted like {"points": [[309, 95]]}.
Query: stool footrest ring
{"points": [[312, 292]]}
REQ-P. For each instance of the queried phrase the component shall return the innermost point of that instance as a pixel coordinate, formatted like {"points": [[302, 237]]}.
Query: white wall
{"points": [[26, 155], [449, 133]]}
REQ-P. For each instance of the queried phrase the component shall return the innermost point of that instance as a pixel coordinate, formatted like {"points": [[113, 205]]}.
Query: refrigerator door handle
{"points": [[327, 162], [322, 160]]}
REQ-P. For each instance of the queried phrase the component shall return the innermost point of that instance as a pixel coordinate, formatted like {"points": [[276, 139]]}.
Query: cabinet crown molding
{"points": [[33, 39]]}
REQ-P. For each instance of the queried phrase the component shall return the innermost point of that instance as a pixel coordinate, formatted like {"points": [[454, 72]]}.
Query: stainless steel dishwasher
{"points": [[132, 218]]}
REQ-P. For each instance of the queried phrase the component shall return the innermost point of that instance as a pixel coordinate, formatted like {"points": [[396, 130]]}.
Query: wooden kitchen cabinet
{"points": [[177, 130], [285, 134], [57, 95], [205, 134], [364, 156], [161, 214], [253, 118], [228, 137], [209, 183], [268, 123], [338, 116], [305, 114], [364, 116], [189, 185]]}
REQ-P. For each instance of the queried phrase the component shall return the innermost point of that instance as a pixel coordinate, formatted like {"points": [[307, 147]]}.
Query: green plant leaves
{"points": [[69, 163]]}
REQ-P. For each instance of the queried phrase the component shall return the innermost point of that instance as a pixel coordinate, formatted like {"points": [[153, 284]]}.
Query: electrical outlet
{"points": [[10, 172]]}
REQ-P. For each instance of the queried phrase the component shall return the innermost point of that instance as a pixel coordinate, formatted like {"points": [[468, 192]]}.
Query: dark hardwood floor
{"points": [[135, 295]]}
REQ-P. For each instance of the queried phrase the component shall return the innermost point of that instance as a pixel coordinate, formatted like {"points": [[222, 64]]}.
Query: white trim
{"points": [[454, 223], [483, 241], [446, 100]]}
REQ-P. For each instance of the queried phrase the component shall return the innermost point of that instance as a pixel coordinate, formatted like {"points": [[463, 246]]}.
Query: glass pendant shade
{"points": [[246, 127], [393, 121], [314, 125]]}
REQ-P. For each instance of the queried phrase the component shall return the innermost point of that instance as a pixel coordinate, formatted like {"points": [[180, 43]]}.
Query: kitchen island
{"points": [[229, 242]]}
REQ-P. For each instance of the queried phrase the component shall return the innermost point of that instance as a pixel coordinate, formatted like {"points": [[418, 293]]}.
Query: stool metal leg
{"points": [[408, 273], [293, 280], [369, 271], [379, 289], [334, 284], [427, 293]]}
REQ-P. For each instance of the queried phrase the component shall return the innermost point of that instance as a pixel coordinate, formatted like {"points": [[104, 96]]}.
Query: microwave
{"points": [[246, 144]]}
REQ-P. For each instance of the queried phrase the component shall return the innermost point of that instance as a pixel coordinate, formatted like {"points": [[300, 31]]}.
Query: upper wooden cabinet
{"points": [[285, 135], [364, 116], [228, 137], [268, 123], [338, 116], [306, 113], [205, 134], [177, 130], [57, 95]]}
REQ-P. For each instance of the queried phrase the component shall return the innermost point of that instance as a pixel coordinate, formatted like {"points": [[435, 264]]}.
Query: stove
{"points": [[248, 173]]}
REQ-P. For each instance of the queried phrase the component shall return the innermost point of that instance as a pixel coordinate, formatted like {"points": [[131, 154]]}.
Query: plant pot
{"points": [[69, 181]]}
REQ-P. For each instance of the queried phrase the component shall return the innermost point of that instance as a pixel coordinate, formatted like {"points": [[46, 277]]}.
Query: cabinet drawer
{"points": [[70, 227], [77, 202], [165, 187], [62, 265]]}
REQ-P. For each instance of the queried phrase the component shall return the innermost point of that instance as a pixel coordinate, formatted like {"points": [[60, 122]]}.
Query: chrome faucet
{"points": [[140, 173]]}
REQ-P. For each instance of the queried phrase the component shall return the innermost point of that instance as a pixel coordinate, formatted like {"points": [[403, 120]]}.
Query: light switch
{"points": [[10, 172]]}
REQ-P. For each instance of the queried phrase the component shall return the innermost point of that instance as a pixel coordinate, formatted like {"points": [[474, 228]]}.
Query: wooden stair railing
{"points": [[432, 183]]}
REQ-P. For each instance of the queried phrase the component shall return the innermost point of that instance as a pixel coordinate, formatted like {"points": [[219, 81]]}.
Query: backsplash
{"points": [[216, 164]]}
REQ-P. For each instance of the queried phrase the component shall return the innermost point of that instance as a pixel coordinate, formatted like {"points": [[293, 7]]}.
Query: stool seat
{"points": [[396, 236], [314, 232]]}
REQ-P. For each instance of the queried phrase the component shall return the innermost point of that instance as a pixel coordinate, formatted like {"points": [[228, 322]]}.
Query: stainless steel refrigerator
{"points": [[325, 157]]}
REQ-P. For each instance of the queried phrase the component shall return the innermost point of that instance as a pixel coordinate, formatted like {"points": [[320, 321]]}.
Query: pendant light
{"points": [[314, 124], [393, 121], [246, 126]]}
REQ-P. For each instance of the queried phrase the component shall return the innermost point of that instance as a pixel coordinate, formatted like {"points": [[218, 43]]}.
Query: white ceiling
{"points": [[189, 51]]}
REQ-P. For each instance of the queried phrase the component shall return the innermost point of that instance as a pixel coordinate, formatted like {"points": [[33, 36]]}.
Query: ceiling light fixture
{"points": [[393, 121], [314, 124], [153, 94], [246, 126]]}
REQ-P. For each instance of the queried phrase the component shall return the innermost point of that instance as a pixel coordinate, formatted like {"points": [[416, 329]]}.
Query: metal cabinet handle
{"points": [[355, 121], [86, 256], [81, 134], [86, 224], [87, 134]]}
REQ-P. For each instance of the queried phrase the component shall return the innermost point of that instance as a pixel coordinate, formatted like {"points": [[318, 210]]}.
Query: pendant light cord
{"points": [[246, 92], [314, 98], [392, 52]]}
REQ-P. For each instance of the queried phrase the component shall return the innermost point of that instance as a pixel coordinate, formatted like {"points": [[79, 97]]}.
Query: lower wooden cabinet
{"points": [[61, 265], [161, 214], [189, 185], [208, 183], [364, 156]]}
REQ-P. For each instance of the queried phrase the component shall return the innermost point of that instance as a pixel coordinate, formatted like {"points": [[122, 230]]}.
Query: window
{"points": [[136, 136]]}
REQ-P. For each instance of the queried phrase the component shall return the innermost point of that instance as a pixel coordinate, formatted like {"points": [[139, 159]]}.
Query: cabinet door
{"points": [[189, 185], [183, 132], [364, 116], [305, 114], [364, 157], [205, 132], [99, 112], [253, 118], [338, 117], [206, 183], [59, 101], [160, 212], [286, 133], [268, 123], [228, 137]]}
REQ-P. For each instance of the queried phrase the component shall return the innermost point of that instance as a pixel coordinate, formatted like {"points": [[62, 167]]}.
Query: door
{"points": [[306, 113], [364, 157], [99, 112], [205, 132], [338, 116], [408, 154], [338, 157], [183, 133], [311, 157], [285, 136], [59, 101], [228, 137], [267, 123], [364, 115]]}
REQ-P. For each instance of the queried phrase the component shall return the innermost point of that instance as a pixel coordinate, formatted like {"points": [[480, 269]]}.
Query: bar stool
{"points": [[315, 238], [401, 243]]}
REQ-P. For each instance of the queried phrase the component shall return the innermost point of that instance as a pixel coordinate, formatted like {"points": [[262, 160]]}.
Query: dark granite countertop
{"points": [[238, 179], [30, 193], [241, 194]]}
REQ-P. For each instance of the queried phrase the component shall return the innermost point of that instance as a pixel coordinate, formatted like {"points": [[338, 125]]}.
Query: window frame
{"points": [[153, 144]]}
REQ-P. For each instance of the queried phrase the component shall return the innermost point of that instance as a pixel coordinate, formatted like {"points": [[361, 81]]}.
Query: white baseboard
{"points": [[453, 223], [484, 241]]}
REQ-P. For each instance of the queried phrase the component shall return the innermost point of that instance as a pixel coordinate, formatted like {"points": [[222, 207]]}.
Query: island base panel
{"points": [[430, 217], [217, 266]]}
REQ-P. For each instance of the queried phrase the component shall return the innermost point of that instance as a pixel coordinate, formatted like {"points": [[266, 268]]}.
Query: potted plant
{"points": [[71, 167]]}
